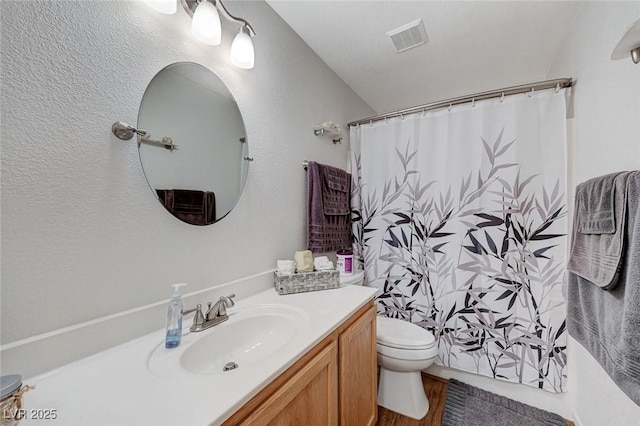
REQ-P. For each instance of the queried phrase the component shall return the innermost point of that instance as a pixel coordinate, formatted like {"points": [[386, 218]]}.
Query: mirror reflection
{"points": [[201, 180]]}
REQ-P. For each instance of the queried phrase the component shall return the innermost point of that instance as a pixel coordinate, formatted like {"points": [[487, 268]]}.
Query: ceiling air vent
{"points": [[407, 36]]}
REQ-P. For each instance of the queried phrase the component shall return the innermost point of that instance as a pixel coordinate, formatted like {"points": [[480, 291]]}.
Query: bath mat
{"points": [[469, 406]]}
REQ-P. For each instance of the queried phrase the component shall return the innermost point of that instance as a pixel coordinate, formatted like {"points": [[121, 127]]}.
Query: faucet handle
{"points": [[198, 318]]}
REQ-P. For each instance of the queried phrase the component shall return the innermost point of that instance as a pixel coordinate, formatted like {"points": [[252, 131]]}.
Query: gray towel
{"points": [[607, 323], [598, 229], [329, 213]]}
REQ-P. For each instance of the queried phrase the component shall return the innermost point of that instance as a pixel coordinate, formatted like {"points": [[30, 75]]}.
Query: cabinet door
{"points": [[358, 372], [308, 398]]}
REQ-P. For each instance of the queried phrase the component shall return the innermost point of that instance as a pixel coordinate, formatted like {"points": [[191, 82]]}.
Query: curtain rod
{"points": [[559, 83]]}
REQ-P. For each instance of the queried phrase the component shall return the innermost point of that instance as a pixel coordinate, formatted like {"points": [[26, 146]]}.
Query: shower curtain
{"points": [[459, 218]]}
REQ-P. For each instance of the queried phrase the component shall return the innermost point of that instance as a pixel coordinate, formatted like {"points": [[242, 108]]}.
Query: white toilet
{"points": [[404, 350]]}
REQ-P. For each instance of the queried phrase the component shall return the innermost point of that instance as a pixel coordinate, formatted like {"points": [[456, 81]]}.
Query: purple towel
{"points": [[194, 207], [329, 213]]}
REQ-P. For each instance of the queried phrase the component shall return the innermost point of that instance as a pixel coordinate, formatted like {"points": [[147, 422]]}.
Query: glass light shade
{"points": [[205, 25], [242, 53], [168, 7]]}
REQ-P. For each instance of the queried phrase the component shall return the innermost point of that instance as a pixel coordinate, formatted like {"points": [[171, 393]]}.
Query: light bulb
{"points": [[168, 7], [205, 25], [242, 53]]}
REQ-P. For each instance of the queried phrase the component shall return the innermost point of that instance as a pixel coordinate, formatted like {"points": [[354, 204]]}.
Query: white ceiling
{"points": [[473, 46]]}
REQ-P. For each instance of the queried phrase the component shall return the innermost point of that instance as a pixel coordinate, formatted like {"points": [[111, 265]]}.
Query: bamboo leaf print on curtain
{"points": [[460, 220]]}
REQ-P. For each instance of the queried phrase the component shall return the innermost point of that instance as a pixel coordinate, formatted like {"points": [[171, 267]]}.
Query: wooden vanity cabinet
{"points": [[335, 383], [359, 372]]}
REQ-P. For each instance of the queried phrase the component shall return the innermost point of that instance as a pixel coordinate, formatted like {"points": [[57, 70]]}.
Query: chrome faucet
{"points": [[220, 308], [214, 316]]}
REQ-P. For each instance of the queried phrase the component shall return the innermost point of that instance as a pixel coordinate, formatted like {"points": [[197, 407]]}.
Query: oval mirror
{"points": [[201, 180]]}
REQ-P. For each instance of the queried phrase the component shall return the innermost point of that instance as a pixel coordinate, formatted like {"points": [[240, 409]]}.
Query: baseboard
{"points": [[576, 419], [436, 378], [38, 354]]}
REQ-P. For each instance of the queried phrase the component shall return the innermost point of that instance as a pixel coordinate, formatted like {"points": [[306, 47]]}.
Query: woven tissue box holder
{"points": [[310, 281]]}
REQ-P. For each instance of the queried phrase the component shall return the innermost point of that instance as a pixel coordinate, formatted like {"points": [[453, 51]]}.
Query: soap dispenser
{"points": [[174, 318]]}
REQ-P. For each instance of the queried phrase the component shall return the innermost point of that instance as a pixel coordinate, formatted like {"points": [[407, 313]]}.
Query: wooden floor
{"points": [[436, 389]]}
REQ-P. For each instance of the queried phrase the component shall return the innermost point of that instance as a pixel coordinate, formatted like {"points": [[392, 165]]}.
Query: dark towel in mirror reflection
{"points": [[194, 207]]}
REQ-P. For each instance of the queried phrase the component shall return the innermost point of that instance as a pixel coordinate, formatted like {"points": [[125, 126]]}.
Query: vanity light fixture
{"points": [[205, 23], [629, 44], [242, 54], [206, 27]]}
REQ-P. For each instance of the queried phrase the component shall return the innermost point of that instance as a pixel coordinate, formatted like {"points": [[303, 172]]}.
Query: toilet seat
{"points": [[403, 335]]}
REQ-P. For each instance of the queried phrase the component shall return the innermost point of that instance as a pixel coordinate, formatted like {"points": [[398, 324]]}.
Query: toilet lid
{"points": [[402, 334]]}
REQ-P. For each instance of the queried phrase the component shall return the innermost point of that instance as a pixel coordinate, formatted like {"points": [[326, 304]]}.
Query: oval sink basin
{"points": [[249, 336]]}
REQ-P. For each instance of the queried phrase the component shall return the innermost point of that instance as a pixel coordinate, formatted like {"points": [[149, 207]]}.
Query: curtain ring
{"points": [[370, 123], [402, 116], [386, 119], [473, 103], [502, 97], [557, 87], [449, 109], [531, 92], [424, 112]]}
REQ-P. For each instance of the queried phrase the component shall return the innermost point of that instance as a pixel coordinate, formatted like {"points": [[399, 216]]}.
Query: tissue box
{"points": [[310, 281]]}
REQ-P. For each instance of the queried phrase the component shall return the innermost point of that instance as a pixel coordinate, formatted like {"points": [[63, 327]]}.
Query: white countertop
{"points": [[116, 387]]}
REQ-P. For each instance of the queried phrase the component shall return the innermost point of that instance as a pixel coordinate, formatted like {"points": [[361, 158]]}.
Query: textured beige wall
{"points": [[604, 137], [82, 235]]}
